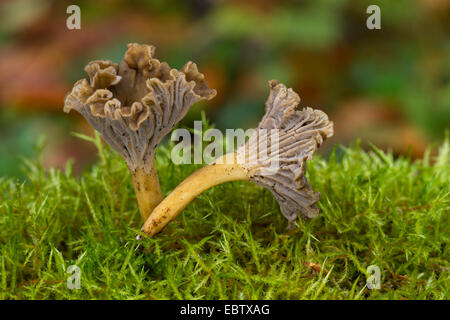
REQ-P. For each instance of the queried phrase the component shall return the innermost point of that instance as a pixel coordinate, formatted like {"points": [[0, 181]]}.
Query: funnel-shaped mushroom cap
{"points": [[135, 104], [299, 134]]}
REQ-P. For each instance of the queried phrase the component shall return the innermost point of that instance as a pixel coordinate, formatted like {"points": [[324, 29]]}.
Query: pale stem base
{"points": [[148, 191]]}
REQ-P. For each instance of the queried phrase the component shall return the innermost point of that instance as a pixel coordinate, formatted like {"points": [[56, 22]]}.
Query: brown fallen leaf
{"points": [[316, 267]]}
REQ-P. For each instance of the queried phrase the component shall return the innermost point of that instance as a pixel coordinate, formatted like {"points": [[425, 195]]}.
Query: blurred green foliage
{"points": [[320, 48]]}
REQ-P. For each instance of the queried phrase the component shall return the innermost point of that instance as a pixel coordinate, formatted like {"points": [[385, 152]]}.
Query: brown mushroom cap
{"points": [[135, 104], [300, 134]]}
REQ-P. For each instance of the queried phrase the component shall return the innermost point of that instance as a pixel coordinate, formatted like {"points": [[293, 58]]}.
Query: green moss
{"points": [[231, 242]]}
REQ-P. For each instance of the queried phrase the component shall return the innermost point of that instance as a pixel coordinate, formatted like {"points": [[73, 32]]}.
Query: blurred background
{"points": [[390, 86]]}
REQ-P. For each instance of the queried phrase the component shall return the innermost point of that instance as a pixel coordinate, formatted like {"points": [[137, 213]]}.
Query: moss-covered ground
{"points": [[231, 242]]}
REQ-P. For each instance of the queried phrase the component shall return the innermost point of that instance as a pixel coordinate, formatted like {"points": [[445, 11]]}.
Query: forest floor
{"points": [[231, 242]]}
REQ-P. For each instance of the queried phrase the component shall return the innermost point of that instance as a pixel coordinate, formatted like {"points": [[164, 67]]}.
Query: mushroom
{"points": [[133, 106], [298, 135]]}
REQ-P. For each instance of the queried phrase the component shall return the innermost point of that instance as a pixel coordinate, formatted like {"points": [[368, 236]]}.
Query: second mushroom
{"points": [[133, 106], [276, 162]]}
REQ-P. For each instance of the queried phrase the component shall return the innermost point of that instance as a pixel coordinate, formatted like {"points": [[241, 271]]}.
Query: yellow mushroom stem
{"points": [[148, 190], [215, 173]]}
